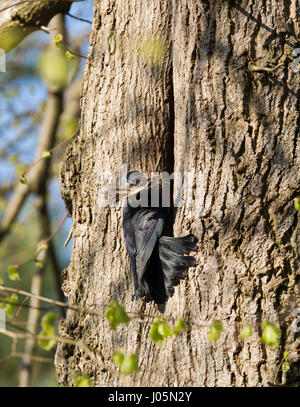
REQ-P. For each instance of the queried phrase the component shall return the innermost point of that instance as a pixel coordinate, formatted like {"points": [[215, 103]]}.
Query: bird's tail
{"points": [[169, 266]]}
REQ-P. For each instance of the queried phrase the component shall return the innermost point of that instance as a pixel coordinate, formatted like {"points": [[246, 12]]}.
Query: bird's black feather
{"points": [[157, 262]]}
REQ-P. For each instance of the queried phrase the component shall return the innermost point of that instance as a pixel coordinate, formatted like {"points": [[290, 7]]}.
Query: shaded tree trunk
{"points": [[190, 86]]}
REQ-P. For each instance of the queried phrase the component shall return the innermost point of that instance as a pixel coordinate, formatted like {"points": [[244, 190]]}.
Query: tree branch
{"points": [[19, 19]]}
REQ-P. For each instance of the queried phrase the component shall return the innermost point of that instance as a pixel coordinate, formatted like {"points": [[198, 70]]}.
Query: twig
{"points": [[35, 358], [43, 242], [70, 341], [36, 1], [50, 151], [47, 31], [69, 236], [281, 363], [257, 68], [79, 18], [50, 301]]}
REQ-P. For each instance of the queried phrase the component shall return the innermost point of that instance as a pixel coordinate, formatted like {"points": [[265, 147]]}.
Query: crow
{"points": [[157, 262]]}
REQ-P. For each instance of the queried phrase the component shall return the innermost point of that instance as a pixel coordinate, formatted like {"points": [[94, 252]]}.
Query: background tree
{"points": [[39, 112]]}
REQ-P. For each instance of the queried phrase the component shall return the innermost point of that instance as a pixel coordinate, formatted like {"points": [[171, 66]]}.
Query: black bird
{"points": [[157, 262]]}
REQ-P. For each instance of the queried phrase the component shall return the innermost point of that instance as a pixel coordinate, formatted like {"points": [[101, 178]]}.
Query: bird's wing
{"points": [[148, 225], [129, 233]]}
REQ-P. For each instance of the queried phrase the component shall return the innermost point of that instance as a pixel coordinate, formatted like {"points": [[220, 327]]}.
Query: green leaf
{"points": [[285, 367], [83, 381], [13, 274], [246, 332], [160, 331], [285, 355], [127, 363], [118, 358], [46, 154], [44, 246], [57, 40], [24, 180], [47, 324], [47, 320], [179, 326], [215, 331], [9, 305], [39, 264], [69, 55], [270, 335], [116, 315], [165, 331], [297, 204]]}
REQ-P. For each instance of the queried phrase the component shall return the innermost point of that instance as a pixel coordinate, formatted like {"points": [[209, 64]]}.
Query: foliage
{"points": [[116, 315], [160, 331], [82, 381], [127, 363], [270, 335], [215, 331], [13, 274], [47, 324], [246, 332], [297, 204], [9, 304]]}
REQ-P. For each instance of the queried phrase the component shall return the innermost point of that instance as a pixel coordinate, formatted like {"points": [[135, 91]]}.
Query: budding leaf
{"points": [[46, 154], [215, 331], [118, 358], [69, 56], [116, 315], [179, 326], [297, 204], [160, 331], [270, 335], [24, 180], [47, 324], [285, 367], [83, 381], [127, 363], [39, 264], [13, 274], [9, 305], [57, 40], [246, 332]]}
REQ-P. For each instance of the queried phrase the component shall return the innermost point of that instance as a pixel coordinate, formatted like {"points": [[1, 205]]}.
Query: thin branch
{"points": [[34, 358], [50, 151], [50, 301], [92, 353], [257, 68], [37, 1], [79, 18], [47, 31]]}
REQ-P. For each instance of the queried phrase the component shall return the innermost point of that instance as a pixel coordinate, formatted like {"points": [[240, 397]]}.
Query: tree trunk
{"points": [[204, 88]]}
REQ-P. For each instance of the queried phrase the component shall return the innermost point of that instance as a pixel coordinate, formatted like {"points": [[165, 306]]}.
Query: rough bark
{"points": [[210, 106]]}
